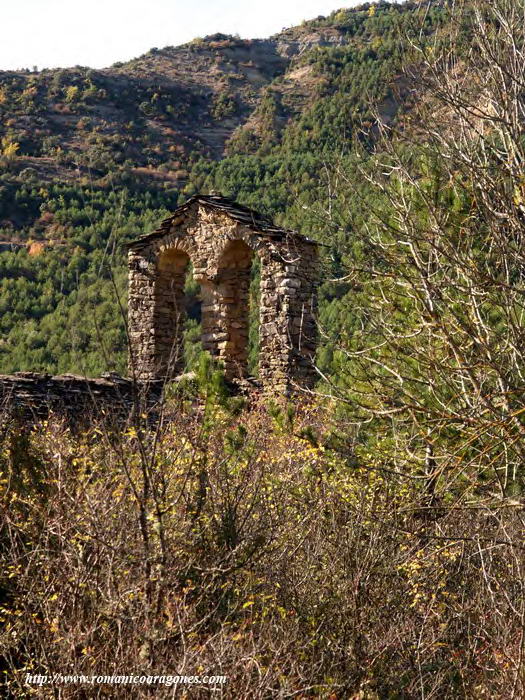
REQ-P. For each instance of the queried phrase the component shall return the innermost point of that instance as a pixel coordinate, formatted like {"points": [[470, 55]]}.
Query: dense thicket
{"points": [[254, 547]]}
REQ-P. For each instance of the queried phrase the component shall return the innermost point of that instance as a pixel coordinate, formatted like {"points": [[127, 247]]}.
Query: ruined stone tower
{"points": [[220, 238]]}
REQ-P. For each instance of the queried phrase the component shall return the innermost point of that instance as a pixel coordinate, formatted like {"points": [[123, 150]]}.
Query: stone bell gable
{"points": [[220, 239]]}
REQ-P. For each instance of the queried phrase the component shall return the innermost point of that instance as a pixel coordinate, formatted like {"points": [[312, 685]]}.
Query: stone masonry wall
{"points": [[288, 331], [220, 239], [33, 395], [221, 250]]}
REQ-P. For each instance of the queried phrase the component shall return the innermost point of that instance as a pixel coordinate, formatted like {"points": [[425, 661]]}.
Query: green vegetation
{"points": [[62, 305], [91, 159], [367, 542]]}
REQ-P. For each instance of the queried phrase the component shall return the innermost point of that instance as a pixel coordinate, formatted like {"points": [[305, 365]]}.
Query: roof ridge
{"points": [[210, 199], [239, 212]]}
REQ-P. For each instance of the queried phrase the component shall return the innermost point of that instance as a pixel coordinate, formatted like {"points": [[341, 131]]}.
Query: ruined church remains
{"points": [[220, 239]]}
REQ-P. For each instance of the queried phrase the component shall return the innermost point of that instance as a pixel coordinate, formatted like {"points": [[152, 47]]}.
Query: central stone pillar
{"points": [[226, 310]]}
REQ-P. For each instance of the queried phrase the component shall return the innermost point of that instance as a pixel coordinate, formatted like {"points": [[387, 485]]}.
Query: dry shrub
{"points": [[235, 546]]}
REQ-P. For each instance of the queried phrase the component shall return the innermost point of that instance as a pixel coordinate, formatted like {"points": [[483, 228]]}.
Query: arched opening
{"points": [[170, 311], [192, 329], [236, 307]]}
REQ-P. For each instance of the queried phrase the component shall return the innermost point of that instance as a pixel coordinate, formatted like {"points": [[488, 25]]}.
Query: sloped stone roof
{"points": [[244, 215]]}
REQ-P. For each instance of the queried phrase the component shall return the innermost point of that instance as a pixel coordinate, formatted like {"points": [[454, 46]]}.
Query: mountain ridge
{"points": [[164, 109]]}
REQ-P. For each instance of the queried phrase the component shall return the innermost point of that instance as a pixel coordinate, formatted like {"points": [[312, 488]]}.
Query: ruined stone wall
{"points": [[221, 251], [32, 395], [220, 239], [288, 331]]}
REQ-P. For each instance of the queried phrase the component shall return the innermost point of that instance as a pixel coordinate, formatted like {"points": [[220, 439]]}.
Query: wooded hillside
{"points": [[90, 159]]}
